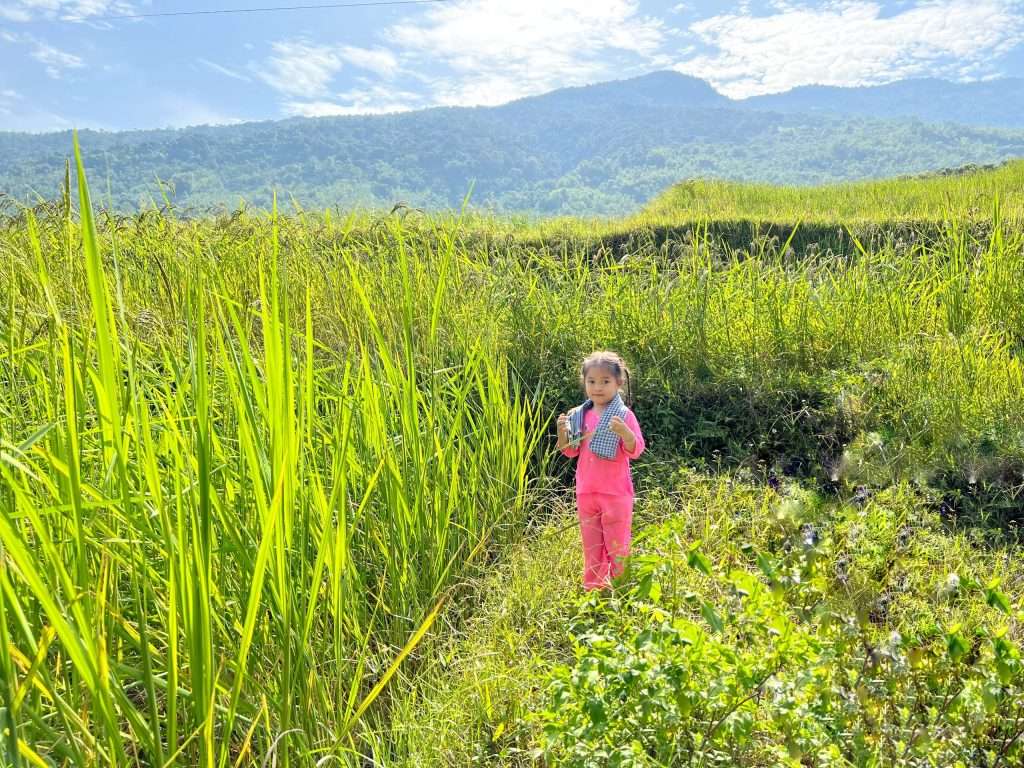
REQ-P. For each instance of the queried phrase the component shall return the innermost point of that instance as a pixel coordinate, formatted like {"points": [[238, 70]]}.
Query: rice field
{"points": [[246, 462], [965, 196]]}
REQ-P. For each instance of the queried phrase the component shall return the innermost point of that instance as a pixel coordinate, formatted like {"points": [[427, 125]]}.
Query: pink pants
{"points": [[605, 523]]}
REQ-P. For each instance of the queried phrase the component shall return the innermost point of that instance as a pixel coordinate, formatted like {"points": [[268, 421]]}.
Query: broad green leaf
{"points": [[712, 617], [697, 559]]}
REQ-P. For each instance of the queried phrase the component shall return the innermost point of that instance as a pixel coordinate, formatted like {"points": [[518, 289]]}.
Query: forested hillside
{"points": [[597, 150]]}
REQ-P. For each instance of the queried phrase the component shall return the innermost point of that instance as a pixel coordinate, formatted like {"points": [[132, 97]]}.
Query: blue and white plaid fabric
{"points": [[604, 442]]}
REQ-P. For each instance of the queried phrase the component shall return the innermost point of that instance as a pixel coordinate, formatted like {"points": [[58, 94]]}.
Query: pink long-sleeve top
{"points": [[595, 474]]}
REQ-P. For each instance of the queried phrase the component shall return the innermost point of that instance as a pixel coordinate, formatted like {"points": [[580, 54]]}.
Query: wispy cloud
{"points": [[82, 10], [300, 68], [374, 100], [853, 43], [55, 60], [303, 71], [14, 13], [495, 51], [220, 69], [380, 61]]}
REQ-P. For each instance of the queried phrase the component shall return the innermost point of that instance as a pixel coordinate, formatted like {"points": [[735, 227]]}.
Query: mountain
{"points": [[992, 103], [602, 149], [657, 89]]}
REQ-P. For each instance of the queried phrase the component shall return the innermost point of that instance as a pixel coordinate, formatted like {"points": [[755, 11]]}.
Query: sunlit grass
{"points": [[217, 538], [966, 196], [244, 460]]}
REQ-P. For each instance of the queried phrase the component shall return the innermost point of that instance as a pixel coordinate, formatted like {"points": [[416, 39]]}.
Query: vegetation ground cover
{"points": [[758, 626], [249, 461]]}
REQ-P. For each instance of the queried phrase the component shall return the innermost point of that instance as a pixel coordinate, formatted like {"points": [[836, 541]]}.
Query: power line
{"points": [[251, 10]]}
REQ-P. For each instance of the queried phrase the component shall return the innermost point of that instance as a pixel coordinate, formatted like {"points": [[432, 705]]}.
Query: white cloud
{"points": [[223, 70], [474, 52], [495, 51], [14, 13], [52, 58], [378, 60], [303, 71], [87, 8], [299, 68], [80, 10], [55, 60], [852, 43], [375, 100]]}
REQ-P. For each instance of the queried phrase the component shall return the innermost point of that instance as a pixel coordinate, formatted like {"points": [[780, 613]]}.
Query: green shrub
{"points": [[762, 667]]}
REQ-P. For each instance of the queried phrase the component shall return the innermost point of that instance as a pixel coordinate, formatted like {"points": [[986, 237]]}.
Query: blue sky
{"points": [[62, 65]]}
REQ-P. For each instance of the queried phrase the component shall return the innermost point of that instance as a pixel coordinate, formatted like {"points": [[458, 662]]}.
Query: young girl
{"points": [[605, 435]]}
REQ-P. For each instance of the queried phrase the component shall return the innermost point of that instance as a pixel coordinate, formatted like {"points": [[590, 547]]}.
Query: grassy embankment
{"points": [[244, 461], [745, 215]]}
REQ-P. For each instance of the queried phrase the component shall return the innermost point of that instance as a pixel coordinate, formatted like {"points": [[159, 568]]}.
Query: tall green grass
{"points": [[757, 353], [219, 538]]}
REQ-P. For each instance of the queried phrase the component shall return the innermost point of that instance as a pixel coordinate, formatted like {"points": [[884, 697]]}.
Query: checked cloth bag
{"points": [[604, 442]]}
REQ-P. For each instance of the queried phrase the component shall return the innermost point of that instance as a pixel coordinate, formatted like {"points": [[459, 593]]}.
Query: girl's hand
{"points": [[563, 423], [563, 430], [618, 426]]}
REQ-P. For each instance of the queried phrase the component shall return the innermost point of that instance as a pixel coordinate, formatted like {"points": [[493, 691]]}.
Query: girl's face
{"points": [[600, 384]]}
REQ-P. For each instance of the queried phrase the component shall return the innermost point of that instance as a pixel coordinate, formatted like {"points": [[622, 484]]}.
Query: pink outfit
{"points": [[604, 503], [605, 528], [597, 475]]}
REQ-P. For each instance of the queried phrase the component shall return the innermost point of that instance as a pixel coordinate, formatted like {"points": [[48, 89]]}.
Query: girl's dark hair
{"points": [[613, 362]]}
